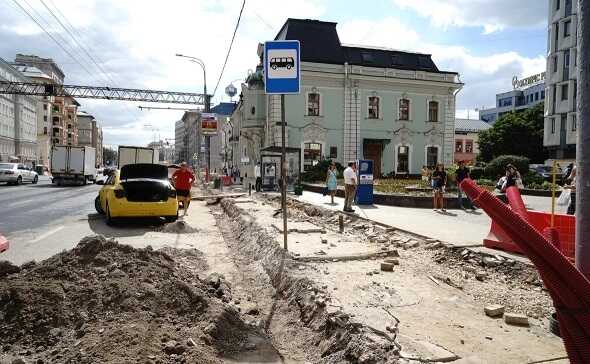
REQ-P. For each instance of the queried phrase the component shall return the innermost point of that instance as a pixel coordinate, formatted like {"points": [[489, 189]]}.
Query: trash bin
{"points": [[217, 183]]}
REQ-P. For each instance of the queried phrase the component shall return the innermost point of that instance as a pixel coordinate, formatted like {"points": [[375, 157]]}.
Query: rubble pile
{"points": [[107, 302]]}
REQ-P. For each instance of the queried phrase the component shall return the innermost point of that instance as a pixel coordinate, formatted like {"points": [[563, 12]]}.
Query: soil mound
{"points": [[107, 302]]}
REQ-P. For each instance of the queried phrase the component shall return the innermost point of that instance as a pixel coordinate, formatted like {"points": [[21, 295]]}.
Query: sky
{"points": [[134, 42]]}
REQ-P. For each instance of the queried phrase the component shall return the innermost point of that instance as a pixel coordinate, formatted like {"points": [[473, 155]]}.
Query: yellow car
{"points": [[138, 190]]}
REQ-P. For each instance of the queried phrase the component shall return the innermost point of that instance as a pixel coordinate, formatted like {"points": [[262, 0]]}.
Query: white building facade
{"points": [[18, 121]]}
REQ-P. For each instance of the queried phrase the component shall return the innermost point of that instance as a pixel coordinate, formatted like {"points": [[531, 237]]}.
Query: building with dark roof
{"points": [[394, 107]]}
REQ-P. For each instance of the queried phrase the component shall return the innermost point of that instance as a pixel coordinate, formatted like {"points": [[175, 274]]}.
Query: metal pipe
{"points": [[283, 172], [553, 195], [583, 142]]}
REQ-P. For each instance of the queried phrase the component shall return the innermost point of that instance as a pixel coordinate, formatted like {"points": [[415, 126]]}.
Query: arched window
{"points": [[404, 109], [373, 107], [432, 111]]}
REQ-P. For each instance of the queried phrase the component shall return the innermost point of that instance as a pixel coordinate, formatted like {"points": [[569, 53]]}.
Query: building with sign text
{"points": [[356, 102], [526, 93]]}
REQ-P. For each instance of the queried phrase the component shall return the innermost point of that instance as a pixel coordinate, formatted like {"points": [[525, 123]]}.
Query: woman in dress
{"points": [[331, 181]]}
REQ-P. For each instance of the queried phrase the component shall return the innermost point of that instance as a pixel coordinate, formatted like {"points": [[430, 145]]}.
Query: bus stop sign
{"points": [[282, 73]]}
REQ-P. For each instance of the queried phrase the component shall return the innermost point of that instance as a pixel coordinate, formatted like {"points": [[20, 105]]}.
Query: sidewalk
{"points": [[457, 227]]}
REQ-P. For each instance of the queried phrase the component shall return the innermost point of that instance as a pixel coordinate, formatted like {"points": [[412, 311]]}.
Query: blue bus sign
{"points": [[282, 73]]}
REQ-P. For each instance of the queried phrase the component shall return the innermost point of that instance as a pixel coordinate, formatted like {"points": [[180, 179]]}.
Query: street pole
{"points": [[583, 142], [283, 172]]}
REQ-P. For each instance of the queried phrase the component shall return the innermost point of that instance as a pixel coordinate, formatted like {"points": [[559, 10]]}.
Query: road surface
{"points": [[42, 220]]}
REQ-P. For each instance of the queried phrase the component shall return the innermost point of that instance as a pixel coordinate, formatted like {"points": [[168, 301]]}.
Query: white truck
{"points": [[133, 155], [73, 164]]}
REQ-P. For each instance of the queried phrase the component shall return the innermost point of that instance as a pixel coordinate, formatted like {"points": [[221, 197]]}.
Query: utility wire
{"points": [[229, 49], [51, 36], [107, 77]]}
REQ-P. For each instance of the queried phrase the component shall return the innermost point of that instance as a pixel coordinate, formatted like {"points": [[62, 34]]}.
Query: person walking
{"points": [[183, 180], [350, 183], [258, 177], [439, 181], [571, 209], [332, 181], [512, 178], [462, 174]]}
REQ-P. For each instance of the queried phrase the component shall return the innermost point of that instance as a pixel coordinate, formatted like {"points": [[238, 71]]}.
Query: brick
{"points": [[392, 261], [494, 310], [516, 319], [387, 267]]}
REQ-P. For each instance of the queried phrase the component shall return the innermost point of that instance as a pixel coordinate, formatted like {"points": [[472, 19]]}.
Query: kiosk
{"points": [[364, 193]]}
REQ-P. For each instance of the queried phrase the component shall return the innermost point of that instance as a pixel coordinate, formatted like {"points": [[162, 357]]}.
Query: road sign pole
{"points": [[282, 75], [283, 172]]}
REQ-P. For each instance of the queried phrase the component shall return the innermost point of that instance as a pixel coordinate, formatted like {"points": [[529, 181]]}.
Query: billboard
{"points": [[209, 124]]}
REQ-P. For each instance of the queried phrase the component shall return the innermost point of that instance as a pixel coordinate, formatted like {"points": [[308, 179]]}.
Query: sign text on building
{"points": [[208, 124], [529, 81]]}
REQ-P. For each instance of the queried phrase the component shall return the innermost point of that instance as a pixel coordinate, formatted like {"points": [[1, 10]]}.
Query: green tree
{"points": [[109, 156], [516, 133]]}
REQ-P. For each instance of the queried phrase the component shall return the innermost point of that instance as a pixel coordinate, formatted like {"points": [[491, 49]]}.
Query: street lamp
{"points": [[207, 103]]}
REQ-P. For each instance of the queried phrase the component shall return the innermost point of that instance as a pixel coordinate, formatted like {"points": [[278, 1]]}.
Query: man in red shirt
{"points": [[183, 181]]}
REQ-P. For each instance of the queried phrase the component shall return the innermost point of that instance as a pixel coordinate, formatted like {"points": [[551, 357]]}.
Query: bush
{"points": [[477, 173], [531, 178], [497, 167], [320, 170], [486, 182]]}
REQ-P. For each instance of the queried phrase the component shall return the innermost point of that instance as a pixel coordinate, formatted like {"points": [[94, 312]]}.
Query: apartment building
{"points": [[18, 121], [560, 131], [90, 134]]}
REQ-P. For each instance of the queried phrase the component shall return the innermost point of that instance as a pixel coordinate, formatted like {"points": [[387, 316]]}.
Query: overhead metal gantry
{"points": [[104, 93]]}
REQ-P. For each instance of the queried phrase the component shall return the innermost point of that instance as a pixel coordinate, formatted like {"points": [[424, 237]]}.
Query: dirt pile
{"points": [[106, 302]]}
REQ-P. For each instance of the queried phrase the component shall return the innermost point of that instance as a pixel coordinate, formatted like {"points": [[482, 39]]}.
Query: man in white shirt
{"points": [[350, 183], [258, 177]]}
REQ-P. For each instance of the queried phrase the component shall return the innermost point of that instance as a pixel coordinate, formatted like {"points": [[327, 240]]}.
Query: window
{"points": [[45, 130], [458, 146], [536, 96], [432, 111], [567, 26], [469, 146], [554, 97], [574, 122], [552, 125], [568, 7], [542, 95], [431, 156], [566, 65], [333, 152], [253, 110], [373, 107], [44, 106], [557, 4], [575, 90], [564, 91], [367, 57], [507, 101], [313, 104], [554, 63], [556, 35], [312, 153], [404, 109], [403, 158], [44, 117]]}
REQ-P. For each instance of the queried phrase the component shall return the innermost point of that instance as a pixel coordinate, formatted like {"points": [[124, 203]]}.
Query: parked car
{"points": [[4, 244], [17, 173], [547, 173], [138, 190]]}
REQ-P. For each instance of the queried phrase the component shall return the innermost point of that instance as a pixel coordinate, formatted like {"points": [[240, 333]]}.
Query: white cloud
{"points": [[136, 42], [491, 15], [483, 75]]}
